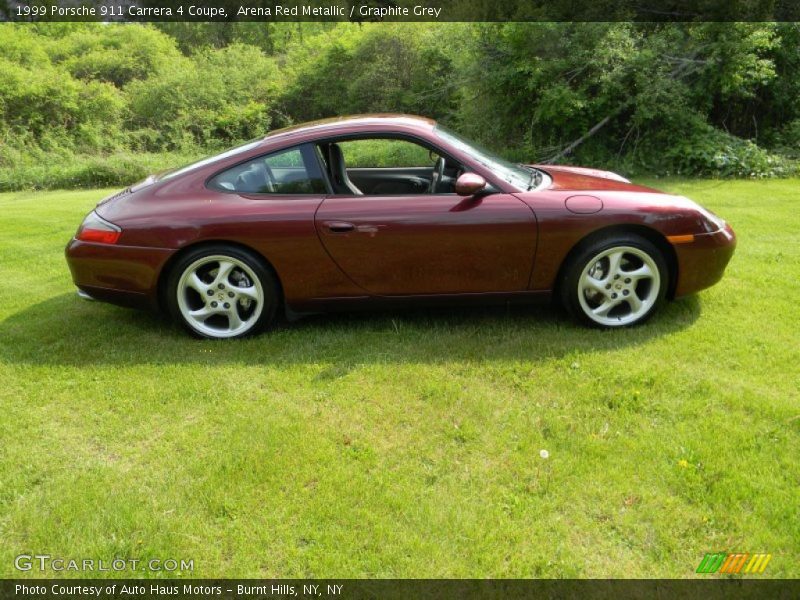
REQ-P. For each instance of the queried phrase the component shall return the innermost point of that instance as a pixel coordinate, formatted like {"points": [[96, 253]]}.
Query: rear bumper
{"points": [[125, 275], [702, 262]]}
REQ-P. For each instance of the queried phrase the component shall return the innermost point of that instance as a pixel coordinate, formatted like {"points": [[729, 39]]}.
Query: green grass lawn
{"points": [[406, 444]]}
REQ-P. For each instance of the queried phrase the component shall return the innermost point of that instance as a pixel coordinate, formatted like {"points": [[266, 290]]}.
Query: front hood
{"points": [[585, 179]]}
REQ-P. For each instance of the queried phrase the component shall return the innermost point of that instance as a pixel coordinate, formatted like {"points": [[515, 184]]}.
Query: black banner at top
{"points": [[223, 11]]}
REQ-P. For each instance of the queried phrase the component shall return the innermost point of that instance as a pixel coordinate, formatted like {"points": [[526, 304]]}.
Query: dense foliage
{"points": [[84, 104]]}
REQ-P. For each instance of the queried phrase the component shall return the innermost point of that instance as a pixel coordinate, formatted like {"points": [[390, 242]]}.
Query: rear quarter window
{"points": [[287, 172]]}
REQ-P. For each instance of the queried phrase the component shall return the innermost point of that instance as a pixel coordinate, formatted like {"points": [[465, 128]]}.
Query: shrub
{"points": [[671, 98], [20, 47], [85, 171], [214, 99], [44, 102], [789, 140], [720, 154], [117, 53], [402, 67]]}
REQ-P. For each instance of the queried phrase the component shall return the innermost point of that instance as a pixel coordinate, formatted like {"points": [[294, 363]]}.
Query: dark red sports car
{"points": [[387, 210]]}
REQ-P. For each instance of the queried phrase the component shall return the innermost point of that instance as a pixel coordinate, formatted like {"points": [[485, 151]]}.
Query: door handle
{"points": [[339, 226]]}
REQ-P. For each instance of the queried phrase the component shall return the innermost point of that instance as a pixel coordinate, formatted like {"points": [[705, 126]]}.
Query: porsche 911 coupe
{"points": [[386, 211]]}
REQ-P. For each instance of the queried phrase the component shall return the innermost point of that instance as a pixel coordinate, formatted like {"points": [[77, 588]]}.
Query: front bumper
{"points": [[125, 275], [702, 262]]}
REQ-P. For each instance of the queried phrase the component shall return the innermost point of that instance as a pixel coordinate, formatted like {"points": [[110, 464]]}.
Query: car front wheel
{"points": [[222, 292], [615, 282]]}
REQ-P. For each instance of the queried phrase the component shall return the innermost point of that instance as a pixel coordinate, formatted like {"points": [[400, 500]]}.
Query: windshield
{"points": [[201, 163], [519, 176]]}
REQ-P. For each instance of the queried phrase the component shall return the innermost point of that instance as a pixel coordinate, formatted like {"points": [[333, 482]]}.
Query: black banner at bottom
{"points": [[363, 589]]}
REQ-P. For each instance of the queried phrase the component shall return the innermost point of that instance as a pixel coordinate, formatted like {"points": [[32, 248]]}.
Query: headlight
{"points": [[712, 221], [708, 220]]}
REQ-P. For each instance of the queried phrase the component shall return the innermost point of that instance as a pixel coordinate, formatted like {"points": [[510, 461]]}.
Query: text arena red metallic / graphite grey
{"points": [[304, 221]]}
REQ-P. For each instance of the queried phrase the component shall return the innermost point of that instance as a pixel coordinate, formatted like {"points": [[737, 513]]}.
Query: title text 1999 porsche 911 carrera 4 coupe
{"points": [[384, 210]]}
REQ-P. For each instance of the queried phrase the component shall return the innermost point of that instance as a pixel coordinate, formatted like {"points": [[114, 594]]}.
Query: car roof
{"points": [[353, 124]]}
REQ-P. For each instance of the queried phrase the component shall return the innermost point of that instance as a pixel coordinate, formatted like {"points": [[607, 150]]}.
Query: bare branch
{"points": [[580, 140], [685, 67]]}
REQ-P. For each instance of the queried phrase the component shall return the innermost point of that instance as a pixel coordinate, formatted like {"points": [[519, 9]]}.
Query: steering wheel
{"points": [[437, 175]]}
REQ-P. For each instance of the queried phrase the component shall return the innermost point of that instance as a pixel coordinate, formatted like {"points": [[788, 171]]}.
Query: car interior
{"points": [[416, 170], [281, 173], [357, 167]]}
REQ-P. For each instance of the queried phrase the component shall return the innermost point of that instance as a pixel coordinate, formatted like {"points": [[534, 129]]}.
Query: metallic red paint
{"points": [[507, 245], [431, 244], [583, 204], [470, 184]]}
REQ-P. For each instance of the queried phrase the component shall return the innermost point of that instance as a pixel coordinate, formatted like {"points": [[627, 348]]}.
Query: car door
{"points": [[430, 243]]}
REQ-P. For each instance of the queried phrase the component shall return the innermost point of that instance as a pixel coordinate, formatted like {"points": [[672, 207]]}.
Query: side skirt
{"points": [[298, 309]]}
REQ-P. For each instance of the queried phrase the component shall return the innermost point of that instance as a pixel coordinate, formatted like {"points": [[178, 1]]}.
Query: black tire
{"points": [[578, 300], [246, 265]]}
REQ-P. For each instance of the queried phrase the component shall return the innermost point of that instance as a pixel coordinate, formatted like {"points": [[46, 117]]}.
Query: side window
{"points": [[293, 171], [385, 153]]}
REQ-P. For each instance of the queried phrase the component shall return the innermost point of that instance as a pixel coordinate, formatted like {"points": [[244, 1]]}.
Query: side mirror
{"points": [[470, 184]]}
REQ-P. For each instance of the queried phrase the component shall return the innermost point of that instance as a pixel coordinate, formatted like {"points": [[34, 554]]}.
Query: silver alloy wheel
{"points": [[220, 296], [619, 286]]}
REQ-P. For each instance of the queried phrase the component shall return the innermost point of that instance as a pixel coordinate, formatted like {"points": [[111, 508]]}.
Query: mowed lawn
{"points": [[406, 444]]}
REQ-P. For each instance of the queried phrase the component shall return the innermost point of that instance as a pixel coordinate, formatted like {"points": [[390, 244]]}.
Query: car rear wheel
{"points": [[222, 292], [615, 282]]}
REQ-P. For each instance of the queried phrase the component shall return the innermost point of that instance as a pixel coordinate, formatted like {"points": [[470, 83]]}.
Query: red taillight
{"points": [[98, 230], [98, 235]]}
